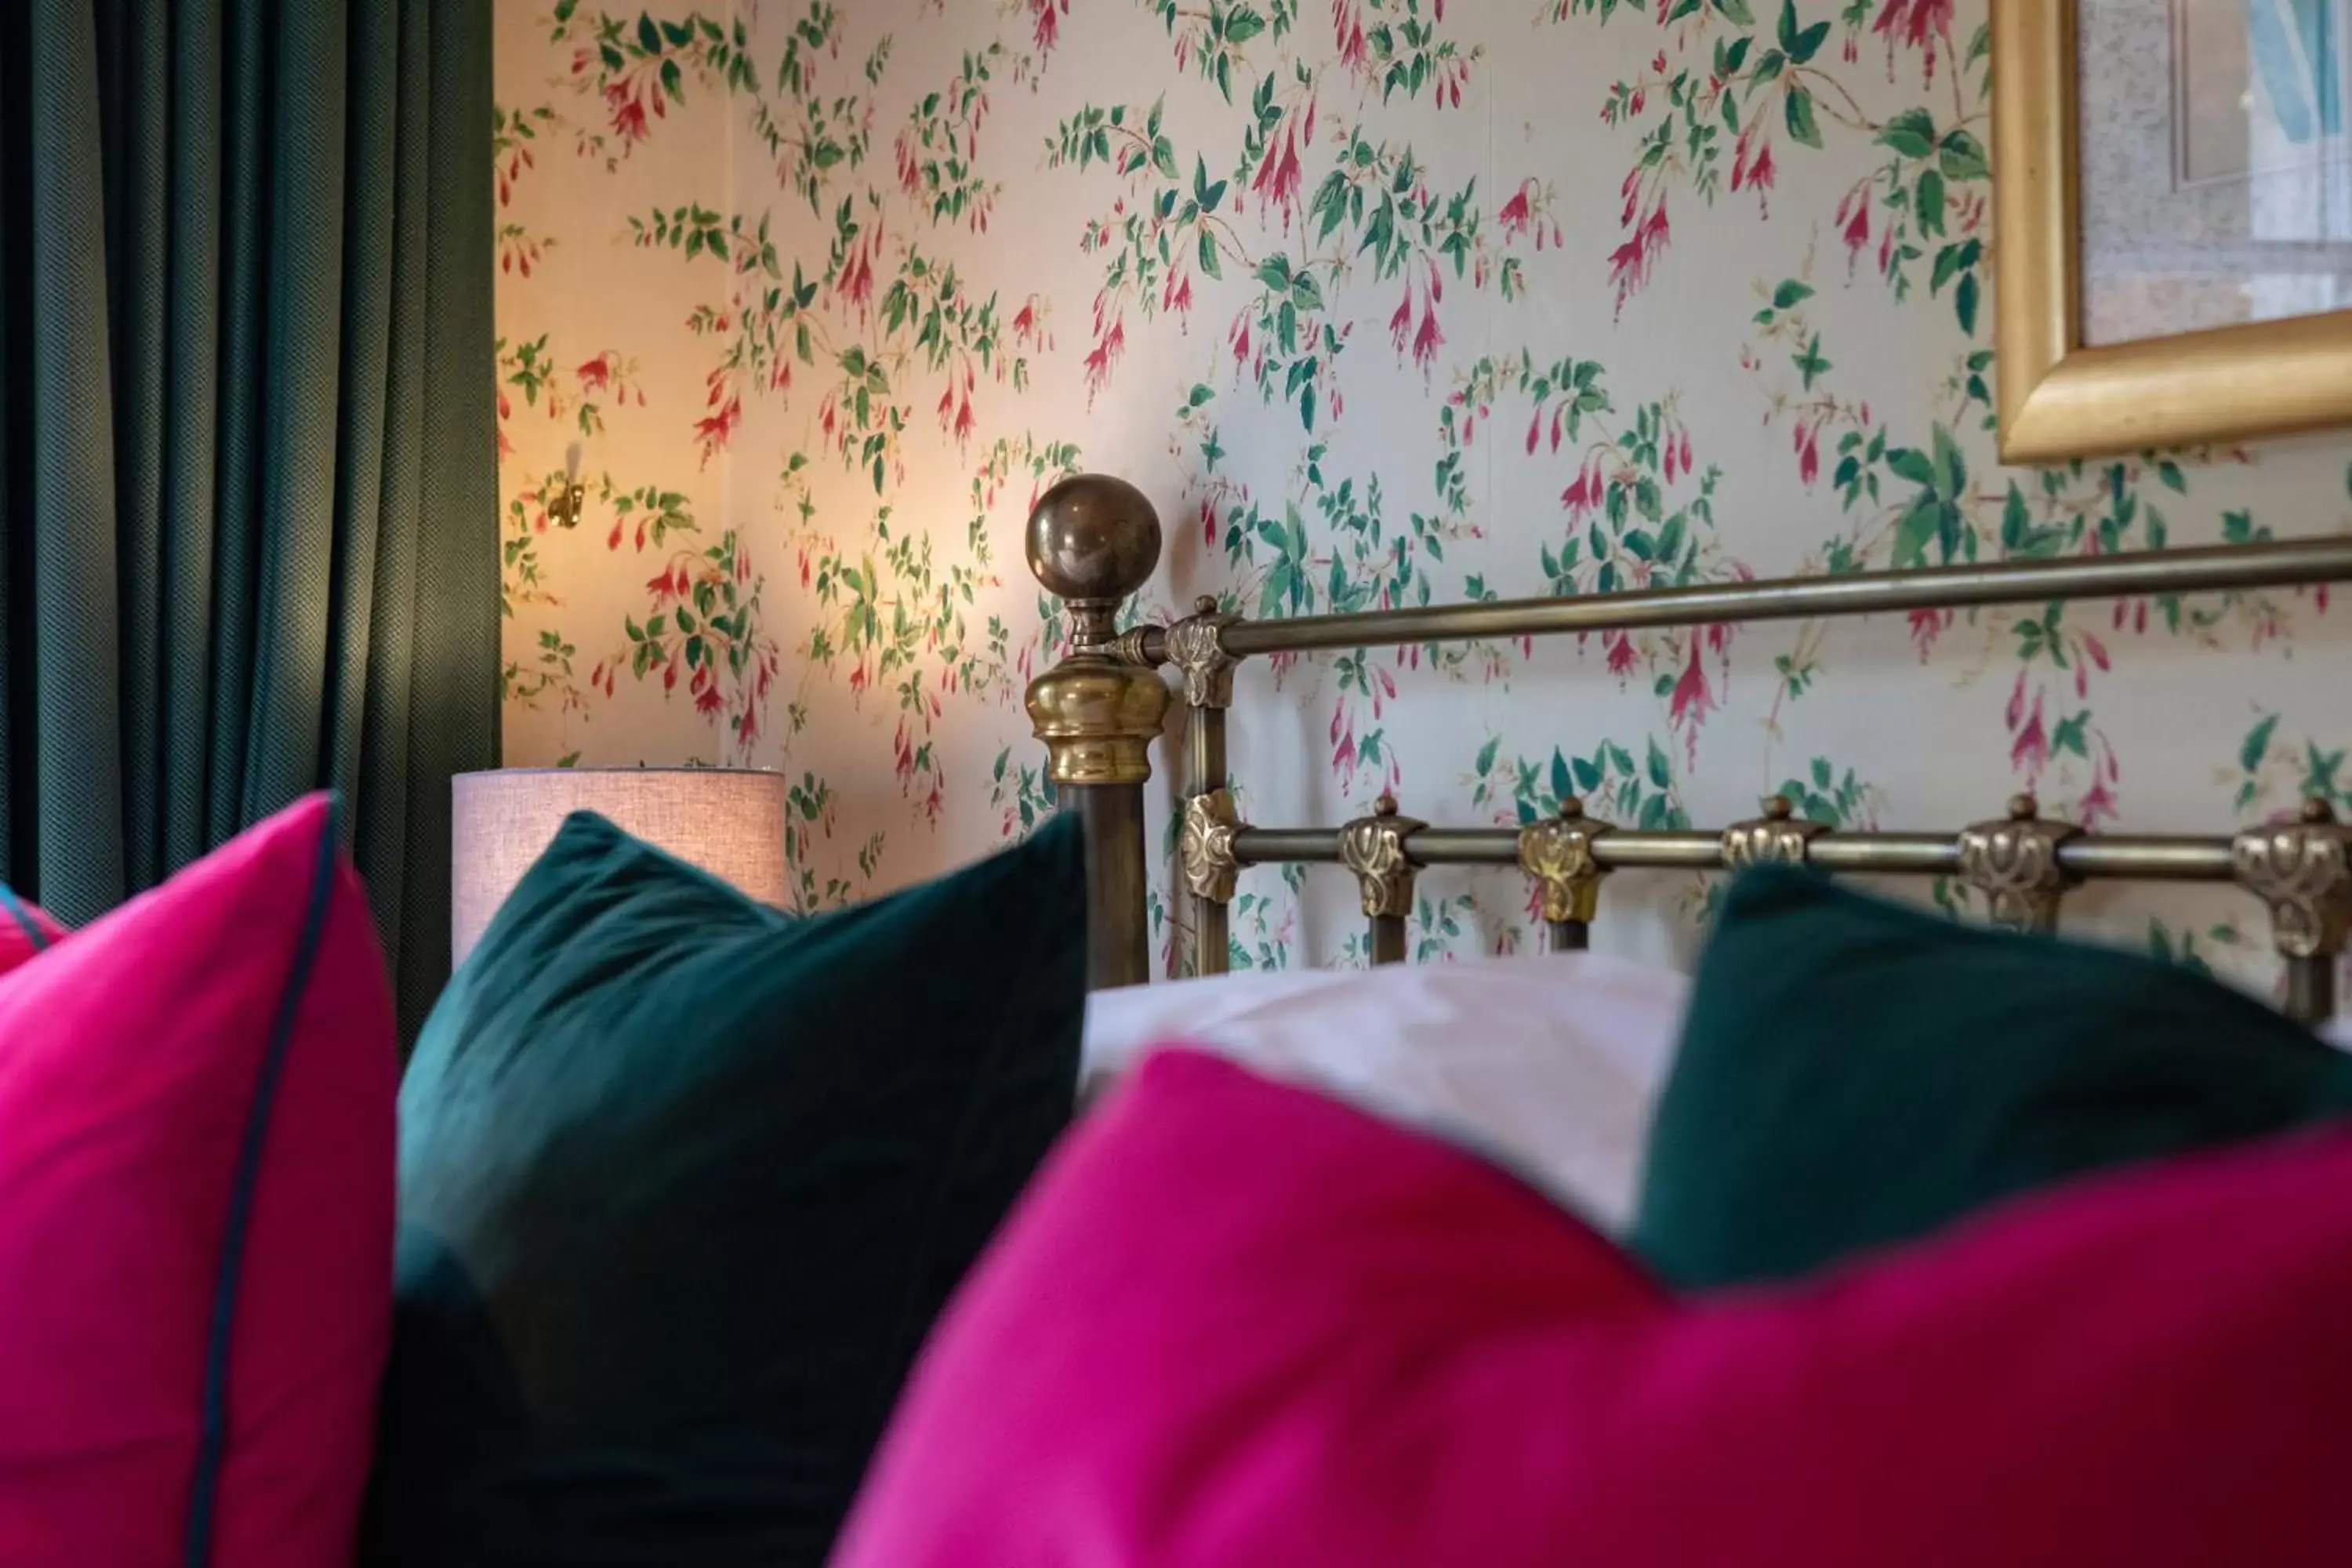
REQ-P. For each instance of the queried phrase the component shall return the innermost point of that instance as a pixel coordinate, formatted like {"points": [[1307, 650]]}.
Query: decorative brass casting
{"points": [[1195, 644], [1776, 836], [2303, 870], [1558, 853], [1374, 848], [2014, 864], [1206, 846]]}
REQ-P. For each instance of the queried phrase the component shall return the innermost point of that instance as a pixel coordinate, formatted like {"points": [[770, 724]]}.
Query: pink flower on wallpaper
{"points": [[1809, 452], [1401, 324], [1622, 656], [1110, 344], [1915, 24], [1348, 32], [854, 287], [1029, 326], [712, 434], [1692, 698], [1926, 626], [1854, 215], [2094, 652], [1751, 165], [2029, 748], [1279, 175], [1589, 490], [1045, 23], [1630, 263], [1427, 341], [1523, 217]]}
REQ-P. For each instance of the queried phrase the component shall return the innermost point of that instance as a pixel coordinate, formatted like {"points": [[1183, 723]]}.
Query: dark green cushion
{"points": [[1855, 1072], [684, 1182]]}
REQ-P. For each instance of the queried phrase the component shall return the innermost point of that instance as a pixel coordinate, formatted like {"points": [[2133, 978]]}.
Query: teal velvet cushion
{"points": [[1854, 1072], [683, 1183]]}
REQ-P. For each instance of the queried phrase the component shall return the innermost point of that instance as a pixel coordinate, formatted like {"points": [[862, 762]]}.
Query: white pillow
{"points": [[1549, 1063]]}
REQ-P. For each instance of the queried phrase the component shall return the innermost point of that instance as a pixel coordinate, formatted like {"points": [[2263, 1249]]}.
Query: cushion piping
{"points": [[15, 909], [213, 1438]]}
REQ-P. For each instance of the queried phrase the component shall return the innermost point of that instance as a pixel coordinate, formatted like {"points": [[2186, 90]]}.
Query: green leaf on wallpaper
{"points": [[1929, 203], [1964, 157], [2071, 734], [1964, 301], [1798, 110], [1163, 157], [1951, 467], [1912, 133], [1670, 539], [1561, 786], [1211, 267], [1587, 774], [1810, 362], [1241, 24], [648, 34], [1790, 292], [1662, 773], [1621, 759], [1738, 13], [1683, 8], [1917, 530], [1486, 755], [1912, 464], [1768, 66], [2257, 743]]}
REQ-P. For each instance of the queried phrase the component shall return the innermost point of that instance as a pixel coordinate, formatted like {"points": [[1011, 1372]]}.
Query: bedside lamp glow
{"points": [[728, 821]]}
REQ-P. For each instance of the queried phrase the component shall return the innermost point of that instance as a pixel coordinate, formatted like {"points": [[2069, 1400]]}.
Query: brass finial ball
{"points": [[1777, 808], [1093, 537], [2316, 812], [2024, 808]]}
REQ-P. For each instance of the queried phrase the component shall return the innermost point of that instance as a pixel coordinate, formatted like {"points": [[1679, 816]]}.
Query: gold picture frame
{"points": [[2060, 398]]}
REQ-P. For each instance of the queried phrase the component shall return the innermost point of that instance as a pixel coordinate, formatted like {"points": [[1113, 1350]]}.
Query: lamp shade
{"points": [[728, 821]]}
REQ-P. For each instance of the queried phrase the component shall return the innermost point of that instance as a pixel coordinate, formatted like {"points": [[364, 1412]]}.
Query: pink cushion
{"points": [[196, 1217], [25, 929], [1238, 1324]]}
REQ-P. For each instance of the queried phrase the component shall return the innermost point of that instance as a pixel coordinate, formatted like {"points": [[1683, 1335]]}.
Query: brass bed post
{"points": [[1092, 542], [1195, 645]]}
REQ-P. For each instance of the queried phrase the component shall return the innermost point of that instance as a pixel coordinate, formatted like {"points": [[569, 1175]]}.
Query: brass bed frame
{"points": [[1094, 541]]}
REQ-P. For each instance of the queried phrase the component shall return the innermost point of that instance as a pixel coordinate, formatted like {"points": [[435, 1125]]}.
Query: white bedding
{"points": [[1549, 1063]]}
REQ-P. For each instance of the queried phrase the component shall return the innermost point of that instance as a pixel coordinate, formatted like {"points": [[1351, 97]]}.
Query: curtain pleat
{"points": [[249, 529]]}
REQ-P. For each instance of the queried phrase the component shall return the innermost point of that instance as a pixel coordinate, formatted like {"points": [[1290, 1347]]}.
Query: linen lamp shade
{"points": [[728, 821]]}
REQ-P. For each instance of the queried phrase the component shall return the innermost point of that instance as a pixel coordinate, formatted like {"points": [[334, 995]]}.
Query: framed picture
{"points": [[2173, 261]]}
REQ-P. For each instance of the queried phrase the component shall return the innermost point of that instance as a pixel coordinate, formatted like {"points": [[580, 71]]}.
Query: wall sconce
{"points": [[564, 507]]}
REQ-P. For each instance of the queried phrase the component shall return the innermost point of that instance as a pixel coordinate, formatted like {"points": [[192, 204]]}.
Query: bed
{"points": [[1093, 541]]}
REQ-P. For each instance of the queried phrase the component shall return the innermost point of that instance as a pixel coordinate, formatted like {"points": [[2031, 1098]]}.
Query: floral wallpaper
{"points": [[1384, 302]]}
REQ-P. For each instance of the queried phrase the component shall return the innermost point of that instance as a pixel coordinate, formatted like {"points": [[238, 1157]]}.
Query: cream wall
{"points": [[1381, 300]]}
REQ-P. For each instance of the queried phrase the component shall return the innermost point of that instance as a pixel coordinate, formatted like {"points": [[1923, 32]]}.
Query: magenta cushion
{"points": [[25, 930], [1237, 1324], [196, 1217]]}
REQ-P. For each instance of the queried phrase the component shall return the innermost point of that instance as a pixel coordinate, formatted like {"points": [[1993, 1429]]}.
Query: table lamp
{"points": [[728, 821]]}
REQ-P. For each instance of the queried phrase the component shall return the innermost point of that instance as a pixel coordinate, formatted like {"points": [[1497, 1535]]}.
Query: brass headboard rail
{"points": [[1093, 542], [2280, 563]]}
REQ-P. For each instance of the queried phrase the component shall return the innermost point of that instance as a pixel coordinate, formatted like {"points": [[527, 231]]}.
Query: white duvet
{"points": [[1548, 1063]]}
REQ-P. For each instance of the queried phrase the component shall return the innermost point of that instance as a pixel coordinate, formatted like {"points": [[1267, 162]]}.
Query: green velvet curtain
{"points": [[249, 503]]}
